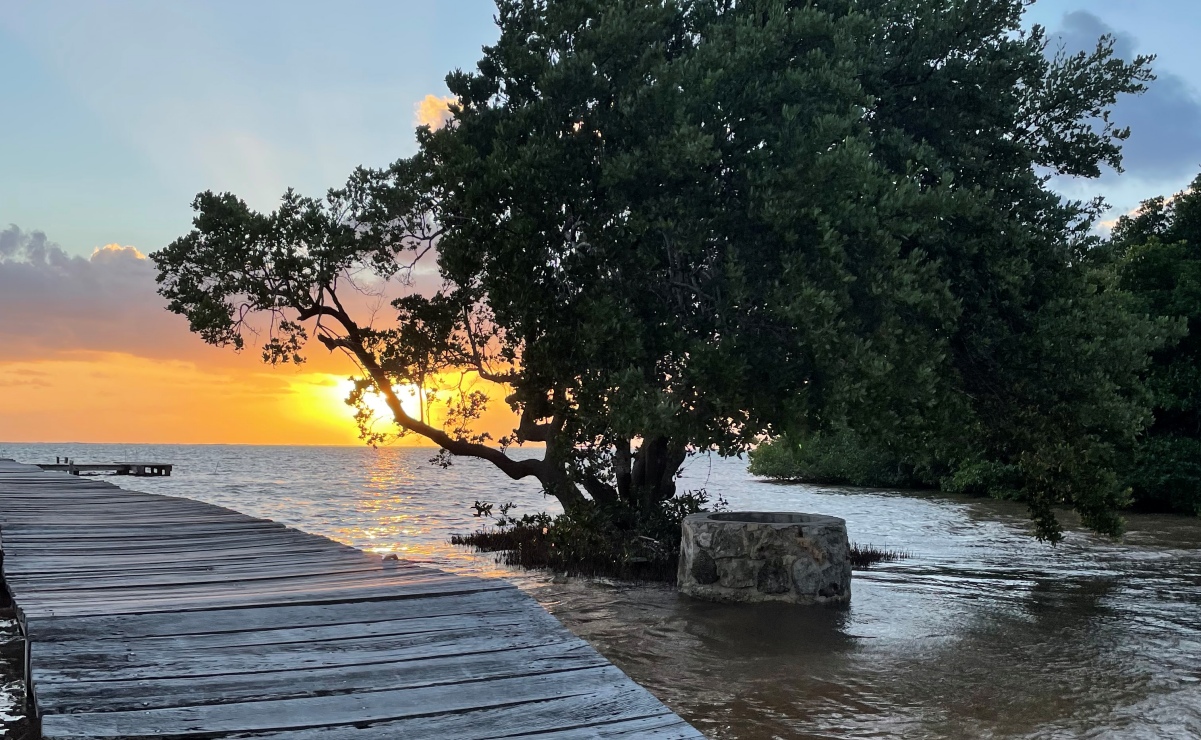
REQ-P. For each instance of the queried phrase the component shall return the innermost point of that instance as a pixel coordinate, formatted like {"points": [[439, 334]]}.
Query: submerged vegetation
{"points": [[608, 544], [865, 556], [589, 540]]}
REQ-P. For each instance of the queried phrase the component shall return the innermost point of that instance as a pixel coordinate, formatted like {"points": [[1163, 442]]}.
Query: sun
{"points": [[320, 399], [410, 397]]}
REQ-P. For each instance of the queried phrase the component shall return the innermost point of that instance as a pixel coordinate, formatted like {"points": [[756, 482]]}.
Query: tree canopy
{"points": [[670, 226], [1156, 253]]}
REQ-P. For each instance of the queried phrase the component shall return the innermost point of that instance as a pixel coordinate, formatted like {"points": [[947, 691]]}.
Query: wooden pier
{"points": [[118, 468], [150, 615]]}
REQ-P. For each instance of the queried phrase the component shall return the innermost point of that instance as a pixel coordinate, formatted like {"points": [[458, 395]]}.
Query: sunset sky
{"points": [[115, 114]]}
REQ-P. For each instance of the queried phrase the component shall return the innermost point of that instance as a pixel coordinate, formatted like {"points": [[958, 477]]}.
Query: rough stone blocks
{"points": [[765, 556]]}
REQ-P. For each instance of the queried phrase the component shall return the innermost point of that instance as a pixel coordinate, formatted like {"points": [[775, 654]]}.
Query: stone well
{"points": [[765, 556]]}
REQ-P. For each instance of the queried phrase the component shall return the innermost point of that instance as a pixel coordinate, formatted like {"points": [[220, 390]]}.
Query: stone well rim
{"points": [[771, 518]]}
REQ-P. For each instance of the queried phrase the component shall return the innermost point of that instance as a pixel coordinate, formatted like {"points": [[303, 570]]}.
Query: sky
{"points": [[113, 115]]}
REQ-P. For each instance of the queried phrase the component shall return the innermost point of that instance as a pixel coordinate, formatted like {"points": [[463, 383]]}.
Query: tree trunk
{"points": [[621, 469], [654, 471], [553, 475]]}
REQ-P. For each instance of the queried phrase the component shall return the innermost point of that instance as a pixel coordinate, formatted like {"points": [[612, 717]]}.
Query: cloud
{"points": [[1108, 225], [53, 302], [14, 376], [1081, 30], [114, 397], [89, 352], [433, 111], [1165, 121]]}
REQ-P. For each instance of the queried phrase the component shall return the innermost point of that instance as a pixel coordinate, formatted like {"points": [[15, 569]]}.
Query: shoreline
{"points": [[979, 591]]}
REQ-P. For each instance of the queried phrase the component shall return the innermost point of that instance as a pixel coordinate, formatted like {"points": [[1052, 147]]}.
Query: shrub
{"points": [[592, 540], [1165, 475], [839, 457], [984, 478]]}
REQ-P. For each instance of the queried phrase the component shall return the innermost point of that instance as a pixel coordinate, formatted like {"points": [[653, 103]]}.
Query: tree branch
{"points": [[601, 492], [353, 342]]}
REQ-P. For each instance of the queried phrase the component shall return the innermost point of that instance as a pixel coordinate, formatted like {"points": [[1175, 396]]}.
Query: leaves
{"points": [[1156, 255], [665, 227]]}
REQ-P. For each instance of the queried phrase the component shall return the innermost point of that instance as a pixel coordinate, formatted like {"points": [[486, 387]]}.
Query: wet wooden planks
{"points": [[157, 616]]}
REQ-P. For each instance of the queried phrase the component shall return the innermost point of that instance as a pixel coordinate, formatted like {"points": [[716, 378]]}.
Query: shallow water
{"points": [[983, 632]]}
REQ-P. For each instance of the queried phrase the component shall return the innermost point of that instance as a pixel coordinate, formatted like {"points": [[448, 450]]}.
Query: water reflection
{"points": [[982, 633]]}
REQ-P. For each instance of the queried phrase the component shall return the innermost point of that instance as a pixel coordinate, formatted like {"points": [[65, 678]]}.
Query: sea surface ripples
{"points": [[982, 633]]}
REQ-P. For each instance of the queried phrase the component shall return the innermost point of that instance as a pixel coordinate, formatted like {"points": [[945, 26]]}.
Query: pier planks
{"points": [[157, 616]]}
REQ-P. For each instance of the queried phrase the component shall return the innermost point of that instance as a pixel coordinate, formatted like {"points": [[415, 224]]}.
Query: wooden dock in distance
{"points": [[118, 468], [151, 615]]}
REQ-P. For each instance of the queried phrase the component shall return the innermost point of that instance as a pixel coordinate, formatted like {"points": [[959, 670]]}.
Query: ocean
{"points": [[981, 632]]}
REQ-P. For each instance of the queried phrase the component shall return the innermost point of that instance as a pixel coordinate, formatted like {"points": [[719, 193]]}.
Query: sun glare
{"points": [[410, 400], [320, 399]]}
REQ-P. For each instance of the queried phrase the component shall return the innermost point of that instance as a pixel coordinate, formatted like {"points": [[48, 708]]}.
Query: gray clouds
{"points": [[53, 302], [1165, 121], [33, 247]]}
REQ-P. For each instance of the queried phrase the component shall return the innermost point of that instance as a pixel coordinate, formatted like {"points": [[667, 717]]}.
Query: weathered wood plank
{"points": [[154, 616], [153, 531], [536, 719], [84, 573], [33, 607], [99, 579], [138, 661], [242, 544], [318, 679], [58, 655], [48, 566], [266, 619], [368, 706], [267, 582], [94, 529]]}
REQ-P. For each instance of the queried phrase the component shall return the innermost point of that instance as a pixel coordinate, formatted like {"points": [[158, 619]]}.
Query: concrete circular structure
{"points": [[765, 556]]}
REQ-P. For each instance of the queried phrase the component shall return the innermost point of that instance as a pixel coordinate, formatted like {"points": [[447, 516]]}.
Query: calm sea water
{"points": [[983, 632]]}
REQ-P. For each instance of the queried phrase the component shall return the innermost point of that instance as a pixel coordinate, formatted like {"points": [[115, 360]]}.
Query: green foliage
{"points": [[1165, 474], [836, 457], [1156, 255], [777, 459], [665, 227], [984, 478]]}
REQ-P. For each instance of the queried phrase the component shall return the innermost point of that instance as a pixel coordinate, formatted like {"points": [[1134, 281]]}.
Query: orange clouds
{"points": [[433, 111], [112, 397], [54, 304], [115, 252], [89, 353]]}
